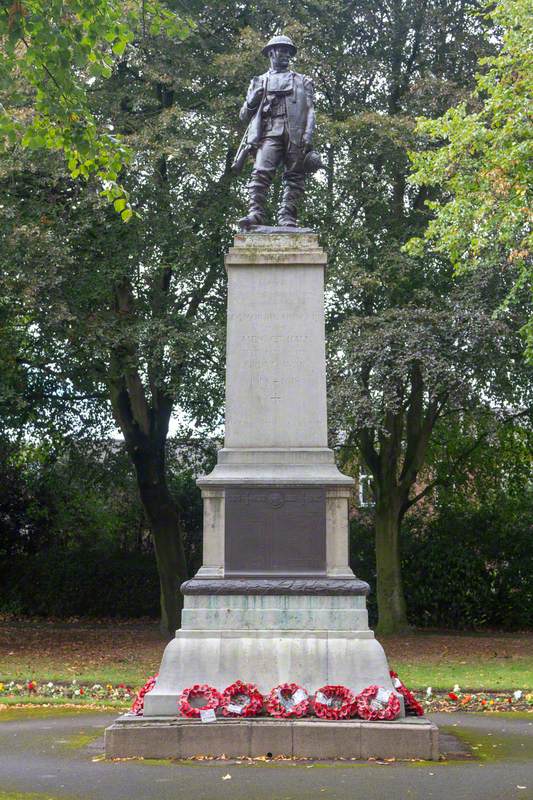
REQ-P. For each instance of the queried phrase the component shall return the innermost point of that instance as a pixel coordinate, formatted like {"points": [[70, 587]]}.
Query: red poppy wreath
{"points": [[241, 700], [288, 700], [138, 703], [376, 702], [412, 706], [197, 698], [334, 702]]}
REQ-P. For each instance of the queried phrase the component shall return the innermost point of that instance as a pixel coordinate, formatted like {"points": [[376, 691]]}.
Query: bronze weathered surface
{"points": [[275, 531], [279, 110]]}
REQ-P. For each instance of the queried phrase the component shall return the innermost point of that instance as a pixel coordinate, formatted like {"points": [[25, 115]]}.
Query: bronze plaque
{"points": [[275, 531]]}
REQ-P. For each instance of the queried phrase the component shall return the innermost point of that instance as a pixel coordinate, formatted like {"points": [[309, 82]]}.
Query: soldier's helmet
{"points": [[279, 40], [312, 162]]}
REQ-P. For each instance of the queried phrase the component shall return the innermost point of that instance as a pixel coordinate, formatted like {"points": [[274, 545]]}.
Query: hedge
{"points": [[464, 568], [67, 582]]}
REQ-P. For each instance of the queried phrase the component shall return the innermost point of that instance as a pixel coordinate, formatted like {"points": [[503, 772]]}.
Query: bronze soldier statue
{"points": [[279, 108]]}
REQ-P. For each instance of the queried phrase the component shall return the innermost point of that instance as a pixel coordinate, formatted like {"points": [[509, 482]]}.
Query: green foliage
{"points": [[463, 567], [53, 55], [479, 154], [80, 581], [129, 320], [471, 568], [72, 522]]}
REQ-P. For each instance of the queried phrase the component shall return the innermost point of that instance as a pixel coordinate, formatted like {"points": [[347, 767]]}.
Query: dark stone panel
{"points": [[275, 531], [329, 586]]}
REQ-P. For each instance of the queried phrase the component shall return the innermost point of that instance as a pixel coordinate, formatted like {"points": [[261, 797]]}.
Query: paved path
{"points": [[55, 756]]}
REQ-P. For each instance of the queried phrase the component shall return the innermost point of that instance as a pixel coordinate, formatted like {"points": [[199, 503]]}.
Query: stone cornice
{"points": [[278, 586]]}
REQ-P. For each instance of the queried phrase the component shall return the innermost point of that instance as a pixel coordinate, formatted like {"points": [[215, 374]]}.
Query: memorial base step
{"points": [[180, 738]]}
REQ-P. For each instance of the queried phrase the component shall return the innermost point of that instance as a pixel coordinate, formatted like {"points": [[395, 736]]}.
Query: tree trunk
{"points": [[167, 535], [390, 595]]}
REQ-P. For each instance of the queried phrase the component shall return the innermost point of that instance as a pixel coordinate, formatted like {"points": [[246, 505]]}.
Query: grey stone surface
{"points": [[306, 738], [337, 557], [229, 737], [324, 740], [311, 658], [274, 612], [253, 467], [398, 740], [276, 366], [291, 229], [271, 737], [153, 741], [276, 426], [276, 586], [314, 632]]}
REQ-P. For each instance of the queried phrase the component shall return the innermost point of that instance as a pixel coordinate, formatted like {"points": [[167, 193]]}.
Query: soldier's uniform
{"points": [[286, 129]]}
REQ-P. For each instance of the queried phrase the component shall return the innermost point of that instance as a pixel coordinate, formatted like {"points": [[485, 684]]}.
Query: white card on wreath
{"points": [[321, 698], [233, 708]]}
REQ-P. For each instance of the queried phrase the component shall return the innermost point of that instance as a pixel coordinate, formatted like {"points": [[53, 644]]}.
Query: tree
{"points": [[133, 314], [375, 72], [52, 54], [479, 154], [114, 312], [395, 321], [398, 378]]}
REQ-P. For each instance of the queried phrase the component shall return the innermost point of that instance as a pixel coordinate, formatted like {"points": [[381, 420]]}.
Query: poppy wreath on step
{"points": [[412, 706], [376, 702], [200, 691], [241, 700], [334, 702], [288, 700], [138, 703]]}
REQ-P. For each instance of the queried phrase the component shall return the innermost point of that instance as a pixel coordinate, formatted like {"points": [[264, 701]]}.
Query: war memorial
{"points": [[275, 600]]}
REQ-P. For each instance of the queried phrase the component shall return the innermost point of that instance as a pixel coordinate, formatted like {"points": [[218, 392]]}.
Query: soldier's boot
{"points": [[256, 207], [292, 193]]}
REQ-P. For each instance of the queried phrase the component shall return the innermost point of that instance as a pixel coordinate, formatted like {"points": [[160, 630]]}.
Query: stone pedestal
{"points": [[275, 599]]}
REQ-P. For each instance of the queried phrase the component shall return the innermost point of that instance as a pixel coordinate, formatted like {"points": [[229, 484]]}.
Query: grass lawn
{"points": [[476, 661], [33, 710], [90, 652], [127, 652]]}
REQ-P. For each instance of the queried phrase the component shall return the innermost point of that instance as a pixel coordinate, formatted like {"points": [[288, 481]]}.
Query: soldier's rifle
{"points": [[252, 135]]}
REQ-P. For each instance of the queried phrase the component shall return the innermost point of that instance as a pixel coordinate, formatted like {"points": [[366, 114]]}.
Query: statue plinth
{"points": [[275, 599]]}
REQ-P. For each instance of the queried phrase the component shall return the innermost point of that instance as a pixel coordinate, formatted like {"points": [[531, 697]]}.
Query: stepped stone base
{"points": [[311, 658], [411, 737]]}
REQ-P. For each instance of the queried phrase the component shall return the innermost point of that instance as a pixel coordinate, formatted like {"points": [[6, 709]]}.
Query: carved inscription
{"points": [[275, 531], [275, 362]]}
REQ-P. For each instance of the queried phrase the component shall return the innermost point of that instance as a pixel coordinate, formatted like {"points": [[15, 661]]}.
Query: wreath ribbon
{"points": [[412, 706]]}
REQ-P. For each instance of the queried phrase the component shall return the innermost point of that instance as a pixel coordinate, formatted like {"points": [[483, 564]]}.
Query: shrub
{"points": [[462, 568]]}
